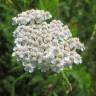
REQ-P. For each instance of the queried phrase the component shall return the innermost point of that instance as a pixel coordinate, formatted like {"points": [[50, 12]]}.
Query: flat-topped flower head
{"points": [[31, 16], [44, 46]]}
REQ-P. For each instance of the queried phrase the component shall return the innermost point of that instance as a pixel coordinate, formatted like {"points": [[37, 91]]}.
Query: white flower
{"points": [[31, 17], [42, 45]]}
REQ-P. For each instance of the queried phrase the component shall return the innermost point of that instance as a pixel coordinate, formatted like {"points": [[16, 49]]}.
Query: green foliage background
{"points": [[80, 15]]}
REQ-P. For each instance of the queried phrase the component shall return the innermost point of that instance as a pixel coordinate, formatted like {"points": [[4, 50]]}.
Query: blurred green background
{"points": [[80, 16]]}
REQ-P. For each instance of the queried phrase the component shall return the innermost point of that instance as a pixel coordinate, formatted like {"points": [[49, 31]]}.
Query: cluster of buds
{"points": [[44, 46]]}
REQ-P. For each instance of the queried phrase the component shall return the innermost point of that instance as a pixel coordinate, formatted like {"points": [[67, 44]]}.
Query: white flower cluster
{"points": [[31, 16], [42, 45]]}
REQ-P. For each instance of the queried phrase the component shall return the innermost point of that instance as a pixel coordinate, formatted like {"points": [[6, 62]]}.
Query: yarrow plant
{"points": [[42, 45]]}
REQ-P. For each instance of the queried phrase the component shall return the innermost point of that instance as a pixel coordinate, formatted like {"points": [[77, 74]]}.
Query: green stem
{"points": [[67, 81], [14, 83]]}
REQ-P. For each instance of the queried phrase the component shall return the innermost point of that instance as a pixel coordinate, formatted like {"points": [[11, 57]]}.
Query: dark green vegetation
{"points": [[80, 15]]}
